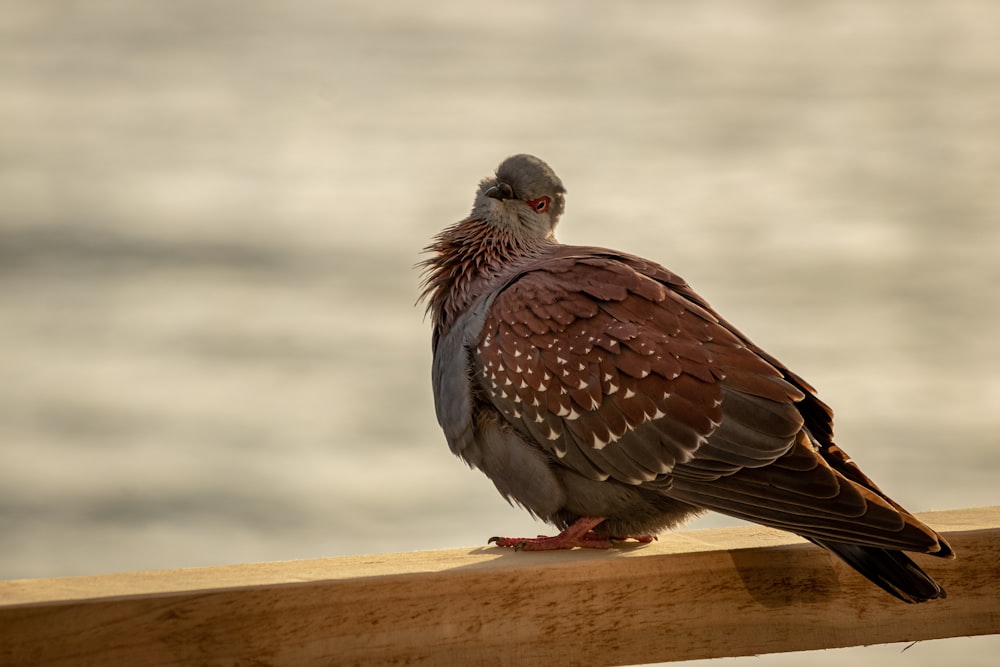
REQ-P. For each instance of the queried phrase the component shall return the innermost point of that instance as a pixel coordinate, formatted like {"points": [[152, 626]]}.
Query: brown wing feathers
{"points": [[616, 367], [606, 373]]}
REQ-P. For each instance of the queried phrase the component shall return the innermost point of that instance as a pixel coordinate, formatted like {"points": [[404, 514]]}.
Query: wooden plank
{"points": [[696, 594]]}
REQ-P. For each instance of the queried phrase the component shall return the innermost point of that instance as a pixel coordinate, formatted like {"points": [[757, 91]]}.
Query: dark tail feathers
{"points": [[891, 570]]}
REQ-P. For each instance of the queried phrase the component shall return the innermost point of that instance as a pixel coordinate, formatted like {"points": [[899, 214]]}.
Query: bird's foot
{"points": [[579, 534]]}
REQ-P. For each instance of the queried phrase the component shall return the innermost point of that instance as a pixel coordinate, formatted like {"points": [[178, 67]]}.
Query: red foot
{"points": [[580, 534]]}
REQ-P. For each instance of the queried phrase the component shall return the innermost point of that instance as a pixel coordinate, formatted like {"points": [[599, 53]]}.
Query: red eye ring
{"points": [[540, 205]]}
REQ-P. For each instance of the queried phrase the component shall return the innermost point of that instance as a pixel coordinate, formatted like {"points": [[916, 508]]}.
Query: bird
{"points": [[597, 390]]}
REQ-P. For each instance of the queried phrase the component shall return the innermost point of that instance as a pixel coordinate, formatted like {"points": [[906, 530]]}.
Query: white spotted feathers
{"points": [[589, 355]]}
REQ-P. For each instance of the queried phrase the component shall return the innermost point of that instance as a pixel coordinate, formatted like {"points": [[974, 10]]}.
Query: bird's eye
{"points": [[540, 205]]}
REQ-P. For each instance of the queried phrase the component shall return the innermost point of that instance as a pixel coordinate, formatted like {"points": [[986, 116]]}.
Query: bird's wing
{"points": [[618, 369], [619, 374]]}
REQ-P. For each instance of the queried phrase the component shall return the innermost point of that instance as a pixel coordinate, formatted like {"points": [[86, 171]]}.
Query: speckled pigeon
{"points": [[597, 390]]}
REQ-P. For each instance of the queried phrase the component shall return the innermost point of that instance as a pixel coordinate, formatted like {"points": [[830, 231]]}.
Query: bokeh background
{"points": [[210, 214]]}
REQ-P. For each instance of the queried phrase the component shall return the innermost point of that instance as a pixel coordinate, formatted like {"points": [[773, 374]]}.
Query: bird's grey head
{"points": [[524, 198]]}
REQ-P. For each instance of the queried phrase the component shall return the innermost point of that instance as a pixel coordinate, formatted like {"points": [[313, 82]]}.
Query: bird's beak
{"points": [[500, 191]]}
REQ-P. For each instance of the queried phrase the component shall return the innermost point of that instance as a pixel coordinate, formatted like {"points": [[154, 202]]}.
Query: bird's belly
{"points": [[628, 509]]}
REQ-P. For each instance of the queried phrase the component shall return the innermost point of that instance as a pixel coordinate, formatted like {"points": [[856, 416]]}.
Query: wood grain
{"points": [[697, 594]]}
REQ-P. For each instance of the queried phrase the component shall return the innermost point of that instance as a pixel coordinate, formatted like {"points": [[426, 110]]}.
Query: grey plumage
{"points": [[600, 392]]}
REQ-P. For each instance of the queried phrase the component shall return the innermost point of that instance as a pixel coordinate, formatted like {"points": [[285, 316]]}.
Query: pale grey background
{"points": [[210, 213]]}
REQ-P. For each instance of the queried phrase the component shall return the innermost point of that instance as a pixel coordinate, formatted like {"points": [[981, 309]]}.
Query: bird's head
{"points": [[524, 198]]}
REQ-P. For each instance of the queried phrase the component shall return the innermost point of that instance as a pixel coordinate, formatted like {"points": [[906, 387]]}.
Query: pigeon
{"points": [[598, 391]]}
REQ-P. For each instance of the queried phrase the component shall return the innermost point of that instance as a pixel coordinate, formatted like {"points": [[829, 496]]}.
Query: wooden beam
{"points": [[696, 594]]}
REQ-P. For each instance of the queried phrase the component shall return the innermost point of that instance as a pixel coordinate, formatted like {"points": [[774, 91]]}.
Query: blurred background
{"points": [[210, 215]]}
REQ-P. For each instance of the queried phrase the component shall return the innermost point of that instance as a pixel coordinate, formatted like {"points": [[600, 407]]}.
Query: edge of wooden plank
{"points": [[694, 594], [212, 578]]}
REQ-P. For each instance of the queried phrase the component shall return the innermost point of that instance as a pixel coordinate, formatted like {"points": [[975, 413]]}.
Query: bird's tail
{"points": [[891, 570]]}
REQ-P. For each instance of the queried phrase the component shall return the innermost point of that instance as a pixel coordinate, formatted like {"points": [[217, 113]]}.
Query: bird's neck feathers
{"points": [[468, 259]]}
